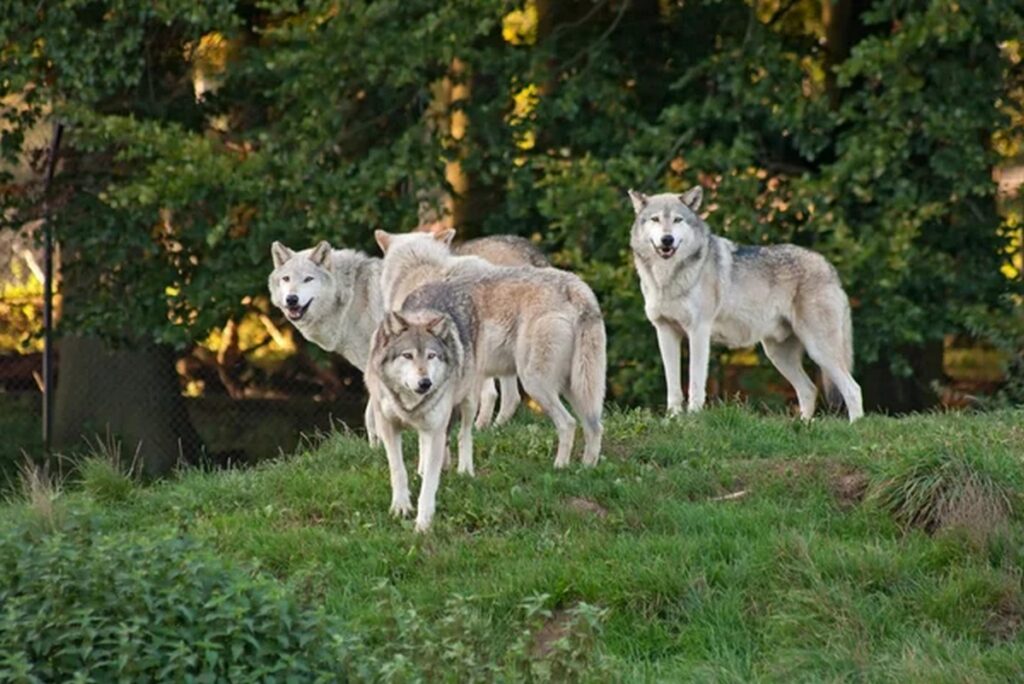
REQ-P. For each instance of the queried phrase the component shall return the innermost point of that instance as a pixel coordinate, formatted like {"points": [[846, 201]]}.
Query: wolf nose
{"points": [[425, 384], [667, 240], [292, 300]]}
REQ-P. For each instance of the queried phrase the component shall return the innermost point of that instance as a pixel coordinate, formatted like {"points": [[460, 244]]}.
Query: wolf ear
{"points": [[639, 200], [394, 324], [383, 239], [321, 253], [432, 228], [444, 236], [692, 197], [280, 254], [437, 325]]}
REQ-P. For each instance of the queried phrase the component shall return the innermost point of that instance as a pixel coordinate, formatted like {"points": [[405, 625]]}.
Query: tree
{"points": [[862, 129]]}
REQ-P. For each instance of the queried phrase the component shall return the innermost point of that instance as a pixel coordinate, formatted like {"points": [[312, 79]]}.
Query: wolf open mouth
{"points": [[294, 313], [665, 252]]}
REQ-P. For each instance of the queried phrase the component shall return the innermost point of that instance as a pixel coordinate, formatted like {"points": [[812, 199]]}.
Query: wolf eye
{"points": [[431, 356], [286, 279], [307, 279], [677, 219], [656, 219], [407, 355]]}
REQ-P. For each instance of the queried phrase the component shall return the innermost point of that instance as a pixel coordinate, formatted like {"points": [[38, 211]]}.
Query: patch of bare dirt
{"points": [[556, 627], [1006, 620], [587, 507], [848, 486]]}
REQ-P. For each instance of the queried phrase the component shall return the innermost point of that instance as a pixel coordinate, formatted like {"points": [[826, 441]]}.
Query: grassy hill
{"points": [[723, 547]]}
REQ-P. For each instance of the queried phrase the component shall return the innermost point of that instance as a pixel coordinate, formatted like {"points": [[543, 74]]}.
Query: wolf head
{"points": [[668, 223], [301, 284], [422, 236], [416, 358]]}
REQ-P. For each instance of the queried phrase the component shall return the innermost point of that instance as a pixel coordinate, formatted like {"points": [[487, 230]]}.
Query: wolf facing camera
{"points": [[787, 298]]}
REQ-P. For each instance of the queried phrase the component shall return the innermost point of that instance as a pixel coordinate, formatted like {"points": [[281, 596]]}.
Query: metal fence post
{"points": [[51, 164]]}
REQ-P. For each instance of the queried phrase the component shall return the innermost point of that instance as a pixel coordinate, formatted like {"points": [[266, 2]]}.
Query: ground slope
{"points": [[723, 547]]}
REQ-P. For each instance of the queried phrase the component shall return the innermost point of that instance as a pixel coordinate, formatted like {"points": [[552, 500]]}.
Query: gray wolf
{"points": [[712, 290], [500, 250], [422, 365], [542, 324], [332, 296]]}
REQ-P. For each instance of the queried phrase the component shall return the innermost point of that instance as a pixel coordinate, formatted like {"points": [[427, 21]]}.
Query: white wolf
{"points": [[695, 283], [542, 324], [332, 296]]}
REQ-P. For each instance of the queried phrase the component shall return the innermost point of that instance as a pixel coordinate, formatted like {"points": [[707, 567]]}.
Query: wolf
{"points": [[423, 365], [542, 324], [695, 283], [332, 296], [500, 250]]}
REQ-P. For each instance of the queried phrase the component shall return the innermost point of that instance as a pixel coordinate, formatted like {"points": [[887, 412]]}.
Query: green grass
{"points": [[797, 577]]}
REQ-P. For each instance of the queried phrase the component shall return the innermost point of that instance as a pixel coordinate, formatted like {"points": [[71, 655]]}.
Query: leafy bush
{"points": [[95, 607], [1005, 333], [111, 608]]}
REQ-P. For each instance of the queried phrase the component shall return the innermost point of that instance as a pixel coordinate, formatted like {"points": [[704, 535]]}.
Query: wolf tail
{"points": [[833, 397], [587, 381]]}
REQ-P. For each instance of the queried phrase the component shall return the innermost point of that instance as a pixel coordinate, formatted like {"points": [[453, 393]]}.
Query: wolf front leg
{"points": [[466, 410], [391, 435], [371, 429], [670, 345], [433, 440], [700, 352]]}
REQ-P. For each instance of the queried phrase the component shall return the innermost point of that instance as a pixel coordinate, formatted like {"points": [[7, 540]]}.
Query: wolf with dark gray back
{"points": [[787, 298], [423, 364]]}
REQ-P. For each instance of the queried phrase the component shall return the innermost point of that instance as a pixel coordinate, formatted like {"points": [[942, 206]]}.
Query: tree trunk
{"points": [[890, 393], [131, 393]]}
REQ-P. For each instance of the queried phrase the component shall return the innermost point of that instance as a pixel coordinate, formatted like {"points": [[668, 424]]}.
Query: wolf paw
{"points": [[422, 526], [674, 411], [401, 508]]}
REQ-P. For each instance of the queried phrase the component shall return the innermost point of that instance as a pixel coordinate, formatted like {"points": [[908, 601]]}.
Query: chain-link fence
{"points": [[246, 392]]}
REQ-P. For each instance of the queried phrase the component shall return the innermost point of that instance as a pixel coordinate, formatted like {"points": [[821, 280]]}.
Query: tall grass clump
{"points": [[105, 475], [41, 491], [946, 489]]}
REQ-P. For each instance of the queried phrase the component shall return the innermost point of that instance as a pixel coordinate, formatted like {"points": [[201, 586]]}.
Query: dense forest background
{"points": [[197, 133]]}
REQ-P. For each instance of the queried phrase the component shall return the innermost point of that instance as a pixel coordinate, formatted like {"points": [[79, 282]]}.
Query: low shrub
{"points": [[99, 608], [79, 605]]}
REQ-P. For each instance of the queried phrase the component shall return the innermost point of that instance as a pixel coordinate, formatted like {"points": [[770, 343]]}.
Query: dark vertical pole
{"points": [[51, 164]]}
